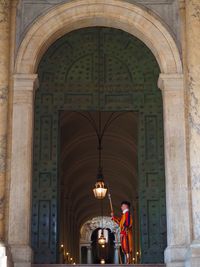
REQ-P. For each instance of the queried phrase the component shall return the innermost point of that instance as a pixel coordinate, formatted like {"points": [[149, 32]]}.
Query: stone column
{"points": [[193, 87], [80, 254], [21, 169], [116, 254], [89, 255], [177, 195]]}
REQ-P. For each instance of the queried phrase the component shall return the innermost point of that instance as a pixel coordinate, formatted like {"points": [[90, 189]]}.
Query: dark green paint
{"points": [[98, 69]]}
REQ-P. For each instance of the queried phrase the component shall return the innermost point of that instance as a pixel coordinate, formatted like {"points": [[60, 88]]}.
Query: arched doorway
{"points": [[86, 237], [96, 69], [105, 253], [150, 29]]}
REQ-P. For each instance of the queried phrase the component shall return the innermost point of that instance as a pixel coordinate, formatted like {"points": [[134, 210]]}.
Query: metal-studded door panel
{"points": [[44, 204], [151, 182]]}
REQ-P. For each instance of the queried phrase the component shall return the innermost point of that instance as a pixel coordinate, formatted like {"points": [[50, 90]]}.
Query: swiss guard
{"points": [[126, 234]]}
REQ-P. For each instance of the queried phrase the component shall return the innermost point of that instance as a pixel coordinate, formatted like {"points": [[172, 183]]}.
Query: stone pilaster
{"points": [[4, 83], [193, 87], [177, 193], [20, 186]]}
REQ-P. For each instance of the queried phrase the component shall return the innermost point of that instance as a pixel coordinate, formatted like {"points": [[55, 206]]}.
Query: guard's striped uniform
{"points": [[125, 224]]}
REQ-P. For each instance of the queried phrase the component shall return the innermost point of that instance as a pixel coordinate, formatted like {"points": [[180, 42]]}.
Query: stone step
{"points": [[92, 265]]}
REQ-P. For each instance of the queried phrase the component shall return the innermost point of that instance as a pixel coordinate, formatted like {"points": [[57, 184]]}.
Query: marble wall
{"points": [[193, 94], [4, 83], [4, 88]]}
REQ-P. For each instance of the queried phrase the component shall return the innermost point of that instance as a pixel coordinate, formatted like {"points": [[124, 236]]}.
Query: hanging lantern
{"points": [[100, 190], [101, 240], [101, 237], [104, 232]]}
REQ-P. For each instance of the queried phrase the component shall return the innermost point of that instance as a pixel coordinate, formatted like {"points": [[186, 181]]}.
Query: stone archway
{"points": [[86, 233], [89, 226], [140, 23], [114, 14]]}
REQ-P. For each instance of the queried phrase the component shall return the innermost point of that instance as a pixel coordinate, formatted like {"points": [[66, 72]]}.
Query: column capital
{"points": [[117, 246], [89, 247], [14, 3], [170, 82], [25, 82], [24, 86]]}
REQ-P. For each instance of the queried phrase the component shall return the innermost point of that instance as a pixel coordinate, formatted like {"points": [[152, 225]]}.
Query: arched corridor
{"points": [[79, 166]]}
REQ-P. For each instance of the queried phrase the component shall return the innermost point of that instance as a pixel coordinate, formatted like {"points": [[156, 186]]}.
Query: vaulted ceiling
{"points": [[79, 161]]}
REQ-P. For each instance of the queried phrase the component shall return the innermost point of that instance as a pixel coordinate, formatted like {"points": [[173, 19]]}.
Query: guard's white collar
{"points": [[124, 211]]}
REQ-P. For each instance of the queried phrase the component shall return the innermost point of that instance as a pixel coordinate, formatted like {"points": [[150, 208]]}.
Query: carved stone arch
{"points": [[89, 226], [113, 13]]}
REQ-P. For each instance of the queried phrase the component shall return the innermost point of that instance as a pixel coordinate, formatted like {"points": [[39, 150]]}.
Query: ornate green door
{"points": [[98, 69]]}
